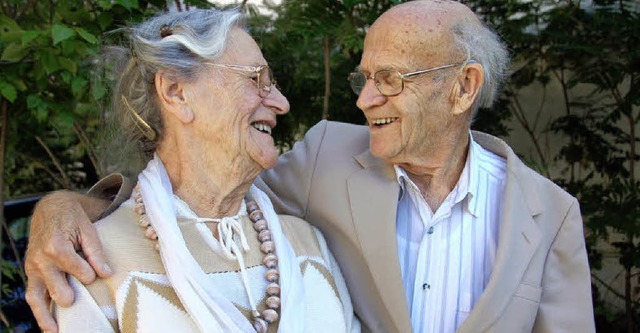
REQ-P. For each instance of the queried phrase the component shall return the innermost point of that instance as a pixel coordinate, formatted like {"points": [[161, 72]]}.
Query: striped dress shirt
{"points": [[447, 256]]}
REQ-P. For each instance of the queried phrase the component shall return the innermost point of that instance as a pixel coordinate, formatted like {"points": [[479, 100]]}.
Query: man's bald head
{"points": [[444, 12], [439, 30], [426, 25]]}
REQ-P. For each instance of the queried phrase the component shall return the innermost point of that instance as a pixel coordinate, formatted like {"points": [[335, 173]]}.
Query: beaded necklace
{"points": [[267, 246]]}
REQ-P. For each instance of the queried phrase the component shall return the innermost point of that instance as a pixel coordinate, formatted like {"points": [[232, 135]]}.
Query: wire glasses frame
{"points": [[263, 79], [389, 82]]}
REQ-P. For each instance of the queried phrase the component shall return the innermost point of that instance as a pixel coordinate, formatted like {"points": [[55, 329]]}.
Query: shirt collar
{"points": [[467, 183], [401, 175], [472, 164]]}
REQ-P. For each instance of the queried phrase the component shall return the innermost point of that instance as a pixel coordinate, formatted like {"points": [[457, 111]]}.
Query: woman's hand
{"points": [[62, 240]]}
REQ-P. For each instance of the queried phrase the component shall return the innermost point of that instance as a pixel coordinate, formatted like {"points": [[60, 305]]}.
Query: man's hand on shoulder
{"points": [[62, 240]]}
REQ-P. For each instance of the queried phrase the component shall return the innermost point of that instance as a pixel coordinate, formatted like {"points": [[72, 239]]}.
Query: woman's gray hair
{"points": [[175, 42], [479, 43]]}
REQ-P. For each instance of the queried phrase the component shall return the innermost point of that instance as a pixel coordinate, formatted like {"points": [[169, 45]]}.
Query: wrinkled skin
{"points": [[62, 239]]}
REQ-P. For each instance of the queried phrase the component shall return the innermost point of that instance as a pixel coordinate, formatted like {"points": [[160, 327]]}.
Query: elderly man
{"points": [[436, 228]]}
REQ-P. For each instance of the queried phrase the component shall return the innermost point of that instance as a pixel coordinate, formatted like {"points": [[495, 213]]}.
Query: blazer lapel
{"points": [[373, 194], [518, 241]]}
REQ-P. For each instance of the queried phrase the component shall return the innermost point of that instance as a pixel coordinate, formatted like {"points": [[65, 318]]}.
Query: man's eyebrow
{"points": [[384, 68]]}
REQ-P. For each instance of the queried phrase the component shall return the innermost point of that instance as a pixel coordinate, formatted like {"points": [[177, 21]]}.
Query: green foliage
{"points": [[601, 53], [48, 53], [51, 86]]}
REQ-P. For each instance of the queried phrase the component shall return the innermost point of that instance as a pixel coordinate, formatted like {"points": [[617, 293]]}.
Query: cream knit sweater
{"points": [[139, 298]]}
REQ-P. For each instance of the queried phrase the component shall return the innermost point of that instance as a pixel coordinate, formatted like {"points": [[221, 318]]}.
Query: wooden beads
{"points": [[143, 219], [270, 260]]}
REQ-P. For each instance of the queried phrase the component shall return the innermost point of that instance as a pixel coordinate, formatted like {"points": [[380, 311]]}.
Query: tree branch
{"points": [[93, 156], [66, 183], [565, 91], [4, 319], [327, 78], [3, 137], [3, 145], [24, 9], [518, 111], [16, 253], [611, 289], [46, 169]]}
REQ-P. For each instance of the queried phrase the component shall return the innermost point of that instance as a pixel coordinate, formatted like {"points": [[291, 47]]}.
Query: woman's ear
{"points": [[467, 88], [172, 97]]}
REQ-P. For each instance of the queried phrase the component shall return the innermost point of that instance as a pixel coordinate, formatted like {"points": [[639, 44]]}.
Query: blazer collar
{"points": [[515, 167], [373, 194], [518, 241], [374, 203]]}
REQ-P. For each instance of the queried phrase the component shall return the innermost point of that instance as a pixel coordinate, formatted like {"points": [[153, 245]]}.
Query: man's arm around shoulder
{"points": [[63, 240]]}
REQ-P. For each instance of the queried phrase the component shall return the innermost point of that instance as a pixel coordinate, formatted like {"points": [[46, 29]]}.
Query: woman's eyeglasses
{"points": [[263, 76]]}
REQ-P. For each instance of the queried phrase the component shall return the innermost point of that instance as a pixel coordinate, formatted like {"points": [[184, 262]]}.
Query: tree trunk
{"points": [[632, 177], [3, 133], [627, 299], [327, 79], [5, 225]]}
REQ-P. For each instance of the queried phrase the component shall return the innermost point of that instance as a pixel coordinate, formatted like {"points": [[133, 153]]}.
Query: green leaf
{"points": [[38, 107], [65, 119], [14, 52], [78, 84], [68, 64], [10, 31], [128, 4], [87, 36], [19, 84], [87, 110], [98, 90], [7, 24], [105, 4], [8, 91], [66, 77], [12, 36], [41, 114], [8, 270], [34, 101], [29, 36], [104, 20], [60, 32], [349, 3], [74, 48], [50, 62]]}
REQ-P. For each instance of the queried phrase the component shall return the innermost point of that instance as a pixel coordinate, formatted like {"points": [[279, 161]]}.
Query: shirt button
{"points": [[430, 231], [426, 286]]}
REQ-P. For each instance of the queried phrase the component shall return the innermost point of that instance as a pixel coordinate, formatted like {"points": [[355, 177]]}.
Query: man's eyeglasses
{"points": [[261, 75], [389, 82]]}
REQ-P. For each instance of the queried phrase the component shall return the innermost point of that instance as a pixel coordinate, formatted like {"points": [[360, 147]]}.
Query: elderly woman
{"points": [[197, 247]]}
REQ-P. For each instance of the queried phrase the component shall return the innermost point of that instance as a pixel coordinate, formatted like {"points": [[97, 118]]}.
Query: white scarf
{"points": [[211, 311]]}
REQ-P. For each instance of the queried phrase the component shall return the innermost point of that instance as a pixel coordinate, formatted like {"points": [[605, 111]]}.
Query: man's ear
{"points": [[172, 97], [467, 88]]}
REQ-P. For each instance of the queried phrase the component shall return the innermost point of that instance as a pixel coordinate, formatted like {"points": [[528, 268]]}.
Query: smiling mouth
{"points": [[383, 121], [262, 127]]}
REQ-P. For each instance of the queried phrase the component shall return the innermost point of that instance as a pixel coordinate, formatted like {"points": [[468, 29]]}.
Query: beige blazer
{"points": [[540, 282]]}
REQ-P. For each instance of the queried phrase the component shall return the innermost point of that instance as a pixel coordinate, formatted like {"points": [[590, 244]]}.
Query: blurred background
{"points": [[571, 109]]}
